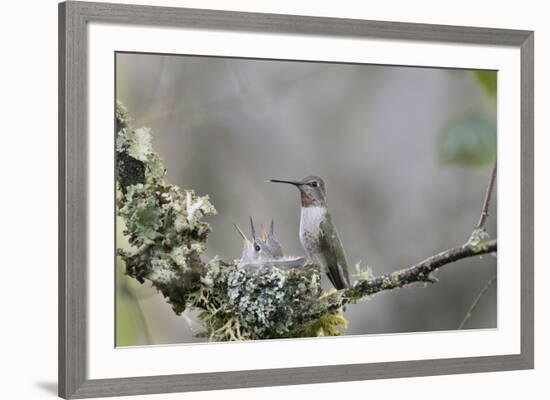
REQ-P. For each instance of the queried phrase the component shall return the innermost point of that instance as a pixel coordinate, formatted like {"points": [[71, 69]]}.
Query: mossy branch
{"points": [[421, 272], [167, 233]]}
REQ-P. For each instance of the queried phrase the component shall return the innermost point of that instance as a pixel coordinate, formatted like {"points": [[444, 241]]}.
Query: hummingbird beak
{"points": [[295, 183], [241, 233]]}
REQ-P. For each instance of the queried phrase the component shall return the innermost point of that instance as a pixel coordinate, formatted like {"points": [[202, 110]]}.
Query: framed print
{"points": [[280, 199]]}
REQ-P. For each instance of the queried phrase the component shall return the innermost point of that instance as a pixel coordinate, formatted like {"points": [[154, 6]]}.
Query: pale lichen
{"points": [[479, 240]]}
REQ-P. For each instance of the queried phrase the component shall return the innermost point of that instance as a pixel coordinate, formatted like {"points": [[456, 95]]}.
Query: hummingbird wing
{"points": [[333, 252], [288, 262]]}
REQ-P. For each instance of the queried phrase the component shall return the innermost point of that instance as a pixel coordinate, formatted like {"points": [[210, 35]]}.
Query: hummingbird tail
{"points": [[337, 279]]}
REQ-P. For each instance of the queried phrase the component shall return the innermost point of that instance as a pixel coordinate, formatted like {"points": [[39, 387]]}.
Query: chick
{"points": [[265, 250]]}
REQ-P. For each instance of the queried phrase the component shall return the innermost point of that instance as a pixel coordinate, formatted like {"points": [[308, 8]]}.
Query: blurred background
{"points": [[405, 152]]}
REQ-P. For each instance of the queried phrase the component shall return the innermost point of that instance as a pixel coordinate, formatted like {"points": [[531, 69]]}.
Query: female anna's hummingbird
{"points": [[318, 235]]}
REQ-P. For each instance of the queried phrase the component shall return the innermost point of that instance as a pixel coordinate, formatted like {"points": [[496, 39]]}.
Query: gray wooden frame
{"points": [[73, 20]]}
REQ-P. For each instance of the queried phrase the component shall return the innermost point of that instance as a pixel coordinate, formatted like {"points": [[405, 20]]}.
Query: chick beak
{"points": [[241, 233]]}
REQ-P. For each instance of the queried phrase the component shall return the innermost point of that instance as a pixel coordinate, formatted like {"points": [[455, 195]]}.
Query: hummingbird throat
{"points": [[308, 200]]}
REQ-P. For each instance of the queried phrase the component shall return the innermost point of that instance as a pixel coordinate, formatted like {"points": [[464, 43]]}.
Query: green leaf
{"points": [[470, 141], [488, 79]]}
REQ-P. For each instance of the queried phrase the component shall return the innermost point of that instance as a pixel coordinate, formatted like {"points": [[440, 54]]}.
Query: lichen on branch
{"points": [[163, 225]]}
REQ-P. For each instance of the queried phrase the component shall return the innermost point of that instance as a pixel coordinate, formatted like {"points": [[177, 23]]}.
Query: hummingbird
{"points": [[265, 250], [318, 234]]}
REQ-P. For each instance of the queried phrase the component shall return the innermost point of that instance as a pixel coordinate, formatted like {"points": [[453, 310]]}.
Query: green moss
{"points": [[327, 325], [386, 283], [395, 279], [479, 240]]}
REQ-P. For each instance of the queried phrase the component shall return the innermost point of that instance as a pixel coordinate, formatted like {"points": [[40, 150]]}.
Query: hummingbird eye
{"points": [[314, 184], [256, 247]]}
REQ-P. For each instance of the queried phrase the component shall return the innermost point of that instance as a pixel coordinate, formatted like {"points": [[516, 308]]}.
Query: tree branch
{"points": [[476, 301], [487, 201], [421, 272]]}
